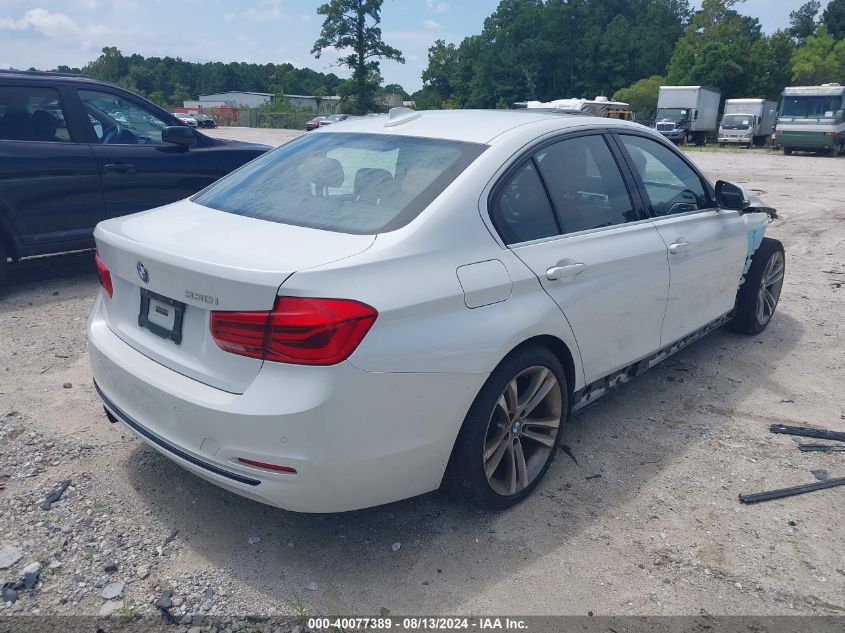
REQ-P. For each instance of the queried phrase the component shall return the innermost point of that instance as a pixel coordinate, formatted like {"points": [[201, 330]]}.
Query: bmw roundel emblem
{"points": [[143, 273]]}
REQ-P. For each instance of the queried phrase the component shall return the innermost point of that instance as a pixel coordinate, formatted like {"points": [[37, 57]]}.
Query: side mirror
{"points": [[178, 135], [731, 196]]}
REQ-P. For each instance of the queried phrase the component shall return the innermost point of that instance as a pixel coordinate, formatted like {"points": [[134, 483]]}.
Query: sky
{"points": [[46, 33]]}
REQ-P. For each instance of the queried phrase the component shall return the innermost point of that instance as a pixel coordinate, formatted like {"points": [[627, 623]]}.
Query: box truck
{"points": [[747, 122], [687, 113], [812, 118]]}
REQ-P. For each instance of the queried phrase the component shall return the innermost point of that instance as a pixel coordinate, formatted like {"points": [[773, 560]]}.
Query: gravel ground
{"points": [[647, 521]]}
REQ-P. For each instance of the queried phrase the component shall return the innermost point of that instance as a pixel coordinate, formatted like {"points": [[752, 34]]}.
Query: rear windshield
{"points": [[349, 183]]}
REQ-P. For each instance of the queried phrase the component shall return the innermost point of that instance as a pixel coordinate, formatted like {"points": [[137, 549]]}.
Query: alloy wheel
{"points": [[522, 430], [770, 287]]}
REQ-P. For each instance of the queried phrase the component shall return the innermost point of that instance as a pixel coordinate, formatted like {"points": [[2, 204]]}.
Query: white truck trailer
{"points": [[747, 122], [687, 113]]}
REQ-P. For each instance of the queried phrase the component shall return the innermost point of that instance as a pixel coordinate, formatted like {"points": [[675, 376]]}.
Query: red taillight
{"points": [[104, 275], [299, 330], [276, 467]]}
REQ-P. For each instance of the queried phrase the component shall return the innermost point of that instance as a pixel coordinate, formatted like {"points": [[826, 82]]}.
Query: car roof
{"points": [[51, 77], [474, 126]]}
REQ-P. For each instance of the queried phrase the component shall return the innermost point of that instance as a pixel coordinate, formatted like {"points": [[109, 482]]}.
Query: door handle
{"points": [[679, 246], [120, 168], [570, 270]]}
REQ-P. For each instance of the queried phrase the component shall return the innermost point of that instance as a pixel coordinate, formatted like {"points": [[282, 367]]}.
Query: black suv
{"points": [[74, 151]]}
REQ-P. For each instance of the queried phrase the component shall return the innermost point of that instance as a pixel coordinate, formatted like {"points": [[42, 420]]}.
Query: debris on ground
{"points": [[821, 448], [54, 495], [821, 474], [566, 449], [805, 431], [113, 590], [789, 492]]}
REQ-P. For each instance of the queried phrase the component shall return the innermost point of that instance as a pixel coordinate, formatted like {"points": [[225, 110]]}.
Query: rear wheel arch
{"points": [[557, 347], [467, 475]]}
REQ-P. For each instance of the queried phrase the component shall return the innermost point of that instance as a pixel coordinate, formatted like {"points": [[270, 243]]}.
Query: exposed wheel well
{"points": [[559, 349]]}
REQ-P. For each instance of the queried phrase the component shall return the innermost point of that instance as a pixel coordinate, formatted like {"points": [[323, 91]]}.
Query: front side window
{"points": [[672, 185], [350, 183], [117, 121], [32, 114], [585, 184]]}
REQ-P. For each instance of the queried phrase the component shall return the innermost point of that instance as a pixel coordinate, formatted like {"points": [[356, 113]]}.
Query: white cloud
{"points": [[437, 7], [52, 25], [432, 24], [264, 15], [229, 18]]}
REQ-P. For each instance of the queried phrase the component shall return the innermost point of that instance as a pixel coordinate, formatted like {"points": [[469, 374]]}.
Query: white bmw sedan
{"points": [[367, 313]]}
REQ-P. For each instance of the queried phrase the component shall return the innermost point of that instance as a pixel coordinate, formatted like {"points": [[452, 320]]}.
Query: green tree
{"points": [[354, 25], [771, 64], [180, 94], [549, 49], [802, 22], [110, 66], [715, 50], [394, 89], [157, 97], [834, 18], [641, 96], [821, 59]]}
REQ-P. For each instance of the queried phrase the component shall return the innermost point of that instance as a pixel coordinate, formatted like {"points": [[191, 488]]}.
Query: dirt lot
{"points": [[647, 522]]}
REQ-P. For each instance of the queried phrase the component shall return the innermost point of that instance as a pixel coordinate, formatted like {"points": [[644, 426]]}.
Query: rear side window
{"points": [[521, 210], [32, 114], [586, 184], [350, 183]]}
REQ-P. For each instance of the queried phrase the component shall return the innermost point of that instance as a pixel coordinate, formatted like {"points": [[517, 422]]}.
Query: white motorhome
{"points": [[812, 118], [600, 106], [687, 113], [747, 122]]}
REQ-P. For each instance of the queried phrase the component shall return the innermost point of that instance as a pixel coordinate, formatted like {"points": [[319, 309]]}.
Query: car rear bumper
{"points": [[356, 439]]}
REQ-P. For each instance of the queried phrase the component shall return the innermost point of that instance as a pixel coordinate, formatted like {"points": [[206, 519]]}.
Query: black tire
{"points": [[750, 315], [787, 151], [465, 474]]}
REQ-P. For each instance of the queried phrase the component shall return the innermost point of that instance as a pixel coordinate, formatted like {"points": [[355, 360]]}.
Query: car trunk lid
{"points": [[172, 266]]}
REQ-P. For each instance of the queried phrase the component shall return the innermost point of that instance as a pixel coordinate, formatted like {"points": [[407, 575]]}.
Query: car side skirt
{"points": [[598, 388]]}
